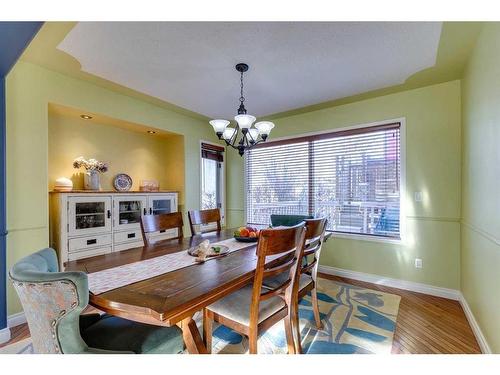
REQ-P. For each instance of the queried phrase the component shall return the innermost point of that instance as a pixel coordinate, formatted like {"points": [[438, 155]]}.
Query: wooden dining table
{"points": [[174, 297]]}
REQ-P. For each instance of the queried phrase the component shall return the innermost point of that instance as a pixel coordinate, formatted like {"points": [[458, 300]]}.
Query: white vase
{"points": [[91, 180]]}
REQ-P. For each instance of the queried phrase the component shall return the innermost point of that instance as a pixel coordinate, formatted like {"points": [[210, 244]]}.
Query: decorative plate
{"points": [[213, 251], [246, 239], [122, 182]]}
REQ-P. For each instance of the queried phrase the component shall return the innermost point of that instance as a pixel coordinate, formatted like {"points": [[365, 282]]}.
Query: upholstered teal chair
{"points": [[288, 220], [53, 302]]}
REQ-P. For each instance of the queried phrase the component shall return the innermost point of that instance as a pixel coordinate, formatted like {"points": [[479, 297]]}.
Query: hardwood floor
{"points": [[425, 324]]}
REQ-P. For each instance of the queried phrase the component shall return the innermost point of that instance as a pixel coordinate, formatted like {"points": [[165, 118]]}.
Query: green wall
{"points": [[433, 161], [480, 253], [30, 89]]}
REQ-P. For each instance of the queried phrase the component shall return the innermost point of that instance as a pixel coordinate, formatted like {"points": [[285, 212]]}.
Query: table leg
{"points": [[192, 338]]}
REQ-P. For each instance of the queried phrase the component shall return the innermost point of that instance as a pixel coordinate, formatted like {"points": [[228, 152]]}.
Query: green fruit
{"points": [[237, 233]]}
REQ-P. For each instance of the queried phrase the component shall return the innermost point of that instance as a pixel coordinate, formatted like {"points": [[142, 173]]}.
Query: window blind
{"points": [[350, 177], [212, 152]]}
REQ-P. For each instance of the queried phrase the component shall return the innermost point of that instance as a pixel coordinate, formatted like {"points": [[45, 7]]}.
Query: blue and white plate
{"points": [[122, 182]]}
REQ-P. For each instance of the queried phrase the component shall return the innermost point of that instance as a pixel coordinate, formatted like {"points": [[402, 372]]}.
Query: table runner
{"points": [[116, 277]]}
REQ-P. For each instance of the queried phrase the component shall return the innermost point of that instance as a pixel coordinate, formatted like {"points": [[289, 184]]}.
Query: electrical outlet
{"points": [[418, 263], [418, 196]]}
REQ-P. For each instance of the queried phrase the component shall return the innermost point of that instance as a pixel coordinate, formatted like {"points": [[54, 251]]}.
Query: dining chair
{"points": [[204, 217], [288, 220], [53, 302], [308, 273], [252, 309], [161, 223]]}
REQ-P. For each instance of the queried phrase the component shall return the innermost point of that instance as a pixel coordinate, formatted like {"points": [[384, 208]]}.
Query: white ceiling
{"points": [[292, 64]]}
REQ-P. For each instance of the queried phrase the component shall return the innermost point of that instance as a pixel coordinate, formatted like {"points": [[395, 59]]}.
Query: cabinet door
{"points": [[127, 211], [88, 215], [162, 204]]}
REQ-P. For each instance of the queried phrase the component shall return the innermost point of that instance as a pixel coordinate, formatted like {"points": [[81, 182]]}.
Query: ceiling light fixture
{"points": [[86, 117], [251, 136], [151, 132]]}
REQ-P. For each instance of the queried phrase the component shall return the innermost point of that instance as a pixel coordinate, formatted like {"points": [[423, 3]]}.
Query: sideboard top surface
{"points": [[111, 192]]}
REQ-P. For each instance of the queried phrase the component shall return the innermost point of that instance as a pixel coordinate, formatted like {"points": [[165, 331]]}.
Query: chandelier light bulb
{"points": [[264, 127], [228, 133], [245, 121], [219, 125], [252, 135]]}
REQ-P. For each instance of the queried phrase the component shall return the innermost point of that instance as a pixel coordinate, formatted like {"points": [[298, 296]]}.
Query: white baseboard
{"points": [[4, 335], [16, 319], [481, 340], [394, 283], [416, 287]]}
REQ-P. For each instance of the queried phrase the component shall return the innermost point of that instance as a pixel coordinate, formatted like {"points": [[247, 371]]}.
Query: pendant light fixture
{"points": [[251, 134]]}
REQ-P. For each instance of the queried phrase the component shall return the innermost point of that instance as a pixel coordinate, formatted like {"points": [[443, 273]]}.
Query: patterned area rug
{"points": [[355, 320]]}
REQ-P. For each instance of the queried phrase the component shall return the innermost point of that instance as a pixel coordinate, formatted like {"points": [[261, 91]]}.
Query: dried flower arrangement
{"points": [[90, 165]]}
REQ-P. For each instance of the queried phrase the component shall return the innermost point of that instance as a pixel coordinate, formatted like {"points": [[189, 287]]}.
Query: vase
{"points": [[91, 180]]}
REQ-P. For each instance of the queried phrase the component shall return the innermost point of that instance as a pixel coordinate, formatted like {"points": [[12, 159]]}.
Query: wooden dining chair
{"points": [[252, 309], [307, 280], [162, 222], [204, 217]]}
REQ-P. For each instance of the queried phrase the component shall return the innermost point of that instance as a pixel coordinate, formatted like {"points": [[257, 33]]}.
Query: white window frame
{"points": [[402, 193], [222, 183]]}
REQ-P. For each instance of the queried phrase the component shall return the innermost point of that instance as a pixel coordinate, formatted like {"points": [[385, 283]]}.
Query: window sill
{"points": [[352, 236]]}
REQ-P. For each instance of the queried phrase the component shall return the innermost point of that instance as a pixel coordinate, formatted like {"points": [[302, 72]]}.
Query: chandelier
{"points": [[250, 135]]}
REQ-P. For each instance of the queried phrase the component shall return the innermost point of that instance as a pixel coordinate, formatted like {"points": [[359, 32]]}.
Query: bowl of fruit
{"points": [[246, 234]]}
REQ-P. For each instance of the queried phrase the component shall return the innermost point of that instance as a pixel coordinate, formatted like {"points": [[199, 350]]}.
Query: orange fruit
{"points": [[252, 234], [244, 232]]}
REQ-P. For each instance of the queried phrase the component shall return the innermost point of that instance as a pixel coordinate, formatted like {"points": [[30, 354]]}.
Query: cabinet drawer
{"points": [[128, 236], [82, 243], [89, 253]]}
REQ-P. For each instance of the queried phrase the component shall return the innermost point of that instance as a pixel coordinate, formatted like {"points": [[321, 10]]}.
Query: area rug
{"points": [[355, 321]]}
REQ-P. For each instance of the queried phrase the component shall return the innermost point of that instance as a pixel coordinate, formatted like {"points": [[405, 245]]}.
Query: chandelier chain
{"points": [[242, 98]]}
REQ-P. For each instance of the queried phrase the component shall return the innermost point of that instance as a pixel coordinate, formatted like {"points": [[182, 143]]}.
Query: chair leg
{"points": [[294, 312], [207, 329], [252, 341], [314, 297], [289, 335]]}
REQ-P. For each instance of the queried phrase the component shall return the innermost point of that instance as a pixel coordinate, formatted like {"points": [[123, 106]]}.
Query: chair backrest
{"points": [[315, 236], [162, 222], [288, 220], [52, 302], [287, 245], [204, 217]]}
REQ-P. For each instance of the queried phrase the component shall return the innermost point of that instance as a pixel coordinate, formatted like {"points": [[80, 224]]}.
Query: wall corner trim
{"points": [[4, 335], [481, 339], [394, 283]]}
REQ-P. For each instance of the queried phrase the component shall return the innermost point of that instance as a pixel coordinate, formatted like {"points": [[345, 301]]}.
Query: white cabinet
{"points": [[83, 225]]}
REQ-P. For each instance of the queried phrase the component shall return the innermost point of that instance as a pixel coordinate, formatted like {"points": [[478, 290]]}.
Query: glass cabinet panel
{"points": [[89, 215], [162, 204], [128, 211]]}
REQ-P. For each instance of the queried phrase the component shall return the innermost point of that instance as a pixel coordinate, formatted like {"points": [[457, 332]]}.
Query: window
{"points": [[212, 176], [351, 177]]}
